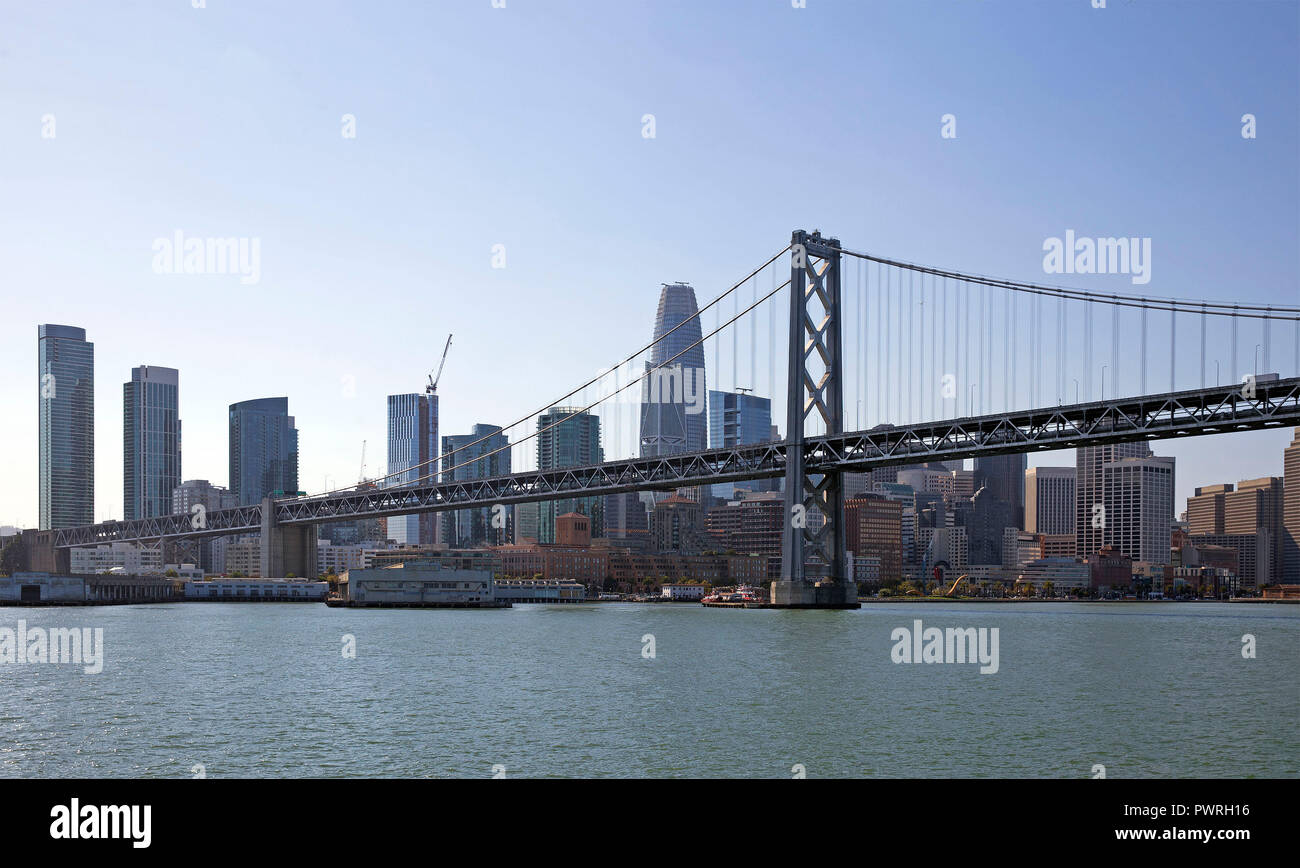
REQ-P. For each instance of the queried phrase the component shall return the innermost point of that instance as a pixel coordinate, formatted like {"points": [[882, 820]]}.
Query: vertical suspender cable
{"points": [[1203, 318]]}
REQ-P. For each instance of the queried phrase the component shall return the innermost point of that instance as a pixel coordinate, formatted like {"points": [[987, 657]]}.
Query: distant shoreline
{"points": [[865, 600]]}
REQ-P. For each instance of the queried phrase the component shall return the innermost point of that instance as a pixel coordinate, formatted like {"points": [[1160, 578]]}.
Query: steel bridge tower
{"points": [[813, 563]]}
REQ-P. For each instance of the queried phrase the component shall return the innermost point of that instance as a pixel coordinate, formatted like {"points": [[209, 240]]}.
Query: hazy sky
{"points": [[523, 127]]}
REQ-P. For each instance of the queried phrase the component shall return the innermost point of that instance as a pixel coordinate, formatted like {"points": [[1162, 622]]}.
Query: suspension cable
{"points": [[566, 397], [579, 411], [1146, 302]]}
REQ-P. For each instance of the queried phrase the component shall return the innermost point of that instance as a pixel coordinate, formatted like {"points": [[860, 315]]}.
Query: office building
{"points": [[568, 437], [1049, 500], [196, 498], [1089, 496], [412, 457], [873, 532], [151, 441], [482, 453], [1291, 512], [677, 524], [1138, 494], [626, 518], [737, 419], [263, 450], [66, 384], [1258, 506], [1003, 477], [674, 394], [1205, 509]]}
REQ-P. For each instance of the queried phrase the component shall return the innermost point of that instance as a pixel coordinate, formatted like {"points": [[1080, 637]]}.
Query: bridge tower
{"points": [[813, 563]]}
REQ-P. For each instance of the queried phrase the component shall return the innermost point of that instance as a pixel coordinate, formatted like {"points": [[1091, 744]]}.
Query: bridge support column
{"points": [[813, 563], [286, 550], [40, 555]]}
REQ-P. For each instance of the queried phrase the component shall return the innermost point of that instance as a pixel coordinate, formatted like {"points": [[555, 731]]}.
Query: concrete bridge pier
{"points": [[823, 594], [286, 550], [40, 555]]}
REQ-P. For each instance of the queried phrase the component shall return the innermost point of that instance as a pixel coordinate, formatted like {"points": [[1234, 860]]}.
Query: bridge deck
{"points": [[1215, 410]]}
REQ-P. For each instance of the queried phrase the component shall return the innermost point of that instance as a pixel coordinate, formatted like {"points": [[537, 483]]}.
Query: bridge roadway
{"points": [[1215, 410]]}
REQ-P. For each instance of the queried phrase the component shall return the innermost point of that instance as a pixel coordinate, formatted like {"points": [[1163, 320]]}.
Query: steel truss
{"points": [[1215, 410]]}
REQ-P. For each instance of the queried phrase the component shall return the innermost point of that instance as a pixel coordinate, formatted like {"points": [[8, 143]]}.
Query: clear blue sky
{"points": [[522, 126]]}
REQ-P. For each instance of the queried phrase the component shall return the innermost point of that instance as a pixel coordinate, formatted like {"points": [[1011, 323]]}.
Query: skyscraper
{"points": [[1257, 507], [572, 442], [1138, 494], [482, 453], [66, 384], [986, 521], [737, 419], [1003, 478], [1049, 500], [263, 450], [1291, 512], [1205, 509], [873, 532], [624, 514], [1090, 519], [412, 454], [674, 397], [151, 441]]}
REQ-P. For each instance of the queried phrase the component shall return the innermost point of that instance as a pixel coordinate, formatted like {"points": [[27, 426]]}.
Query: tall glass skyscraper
{"points": [[674, 397], [412, 454], [572, 443], [66, 384], [263, 450], [464, 458], [737, 419], [151, 441]]}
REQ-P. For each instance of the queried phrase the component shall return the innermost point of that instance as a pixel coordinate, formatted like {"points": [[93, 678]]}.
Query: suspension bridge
{"points": [[917, 351]]}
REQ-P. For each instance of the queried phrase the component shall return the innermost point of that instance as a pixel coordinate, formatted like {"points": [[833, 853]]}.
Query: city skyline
{"points": [[1004, 465], [1045, 167]]}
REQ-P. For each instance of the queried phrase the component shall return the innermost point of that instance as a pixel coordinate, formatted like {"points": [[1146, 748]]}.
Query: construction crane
{"points": [[432, 388]]}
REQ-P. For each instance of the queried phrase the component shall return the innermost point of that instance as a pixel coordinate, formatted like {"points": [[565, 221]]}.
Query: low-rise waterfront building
{"points": [[540, 591], [416, 584], [684, 591], [26, 587], [1062, 573], [255, 590], [41, 588]]}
